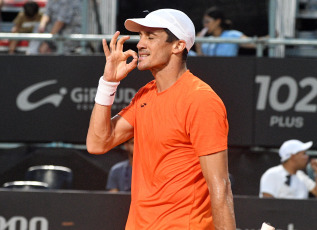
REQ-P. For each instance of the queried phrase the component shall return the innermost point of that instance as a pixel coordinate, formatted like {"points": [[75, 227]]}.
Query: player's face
{"points": [[153, 50]]}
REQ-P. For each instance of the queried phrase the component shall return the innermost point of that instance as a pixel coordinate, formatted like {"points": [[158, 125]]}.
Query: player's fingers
{"points": [[113, 41], [132, 65], [121, 41], [105, 47], [130, 53]]}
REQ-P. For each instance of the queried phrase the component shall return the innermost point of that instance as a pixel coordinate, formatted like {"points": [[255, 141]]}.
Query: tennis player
{"points": [[180, 128]]}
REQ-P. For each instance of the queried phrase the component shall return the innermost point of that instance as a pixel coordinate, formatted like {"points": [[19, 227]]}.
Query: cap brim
{"points": [[306, 146], [137, 24]]}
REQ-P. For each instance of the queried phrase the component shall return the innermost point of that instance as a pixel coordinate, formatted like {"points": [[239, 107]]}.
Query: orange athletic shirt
{"points": [[171, 130]]}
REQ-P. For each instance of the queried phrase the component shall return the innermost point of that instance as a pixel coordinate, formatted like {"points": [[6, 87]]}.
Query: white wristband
{"points": [[106, 92]]}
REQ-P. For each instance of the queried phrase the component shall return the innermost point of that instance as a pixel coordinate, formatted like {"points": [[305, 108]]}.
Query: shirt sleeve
{"points": [[65, 13], [48, 8], [207, 123], [235, 34], [268, 184], [309, 183], [129, 112]]}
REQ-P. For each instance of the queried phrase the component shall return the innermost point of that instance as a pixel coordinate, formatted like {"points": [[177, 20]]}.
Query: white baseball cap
{"points": [[174, 20], [290, 147]]}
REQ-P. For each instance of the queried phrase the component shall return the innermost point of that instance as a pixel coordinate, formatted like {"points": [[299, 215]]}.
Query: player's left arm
{"points": [[215, 171]]}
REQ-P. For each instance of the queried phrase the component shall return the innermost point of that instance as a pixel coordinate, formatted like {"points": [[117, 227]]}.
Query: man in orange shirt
{"points": [[180, 128]]}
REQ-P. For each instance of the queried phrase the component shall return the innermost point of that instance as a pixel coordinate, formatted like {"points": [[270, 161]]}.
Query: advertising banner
{"points": [[286, 101], [46, 99], [27, 210], [232, 80], [50, 98], [71, 210]]}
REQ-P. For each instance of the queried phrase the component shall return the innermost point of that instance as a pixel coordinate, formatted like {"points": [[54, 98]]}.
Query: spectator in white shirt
{"points": [[287, 180]]}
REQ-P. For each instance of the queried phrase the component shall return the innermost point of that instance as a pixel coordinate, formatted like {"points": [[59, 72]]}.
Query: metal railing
{"points": [[259, 43]]}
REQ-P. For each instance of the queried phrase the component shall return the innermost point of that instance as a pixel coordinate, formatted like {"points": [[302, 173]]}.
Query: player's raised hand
{"points": [[117, 67]]}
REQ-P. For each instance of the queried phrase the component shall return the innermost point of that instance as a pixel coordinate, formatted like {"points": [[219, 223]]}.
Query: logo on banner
{"points": [[269, 96], [82, 97], [20, 222], [25, 104]]}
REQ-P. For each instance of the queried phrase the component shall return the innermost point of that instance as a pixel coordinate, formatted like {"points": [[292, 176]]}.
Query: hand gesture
{"points": [[203, 32], [313, 164], [117, 67]]}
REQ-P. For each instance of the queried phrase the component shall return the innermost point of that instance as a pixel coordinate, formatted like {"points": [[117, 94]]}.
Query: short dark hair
{"points": [[171, 38], [31, 9], [216, 13]]}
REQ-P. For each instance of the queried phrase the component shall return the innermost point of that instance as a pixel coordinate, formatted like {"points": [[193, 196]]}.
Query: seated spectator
{"points": [[61, 17], [287, 180], [25, 22], [216, 25], [119, 178]]}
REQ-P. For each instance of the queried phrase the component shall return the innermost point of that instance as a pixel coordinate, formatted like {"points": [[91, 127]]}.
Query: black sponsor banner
{"points": [[286, 100], [232, 80], [283, 214], [61, 209], [49, 98]]}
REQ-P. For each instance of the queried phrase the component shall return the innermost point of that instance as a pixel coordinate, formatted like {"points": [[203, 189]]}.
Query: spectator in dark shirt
{"points": [[119, 178]]}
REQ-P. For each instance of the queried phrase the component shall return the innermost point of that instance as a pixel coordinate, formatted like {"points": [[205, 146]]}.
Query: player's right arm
{"points": [[105, 132]]}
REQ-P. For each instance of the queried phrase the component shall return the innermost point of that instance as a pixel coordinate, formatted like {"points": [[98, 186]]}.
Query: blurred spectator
{"points": [[1, 4], [287, 180], [216, 25], [309, 169], [25, 22], [61, 17], [119, 178]]}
